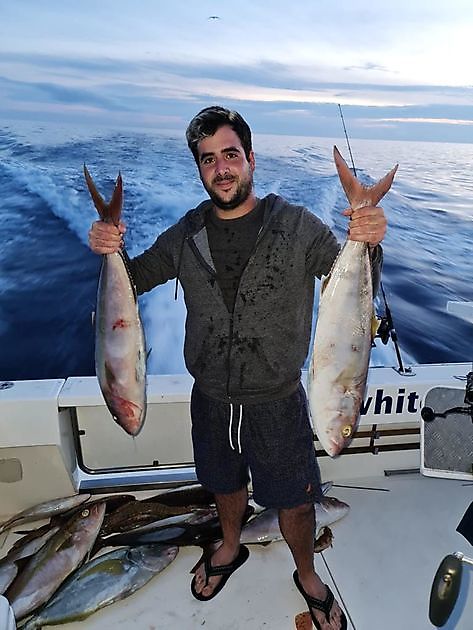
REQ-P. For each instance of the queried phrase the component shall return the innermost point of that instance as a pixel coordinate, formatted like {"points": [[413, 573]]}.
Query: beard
{"points": [[241, 194]]}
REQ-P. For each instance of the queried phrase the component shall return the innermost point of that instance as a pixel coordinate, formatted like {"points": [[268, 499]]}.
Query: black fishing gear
{"points": [[428, 414]]}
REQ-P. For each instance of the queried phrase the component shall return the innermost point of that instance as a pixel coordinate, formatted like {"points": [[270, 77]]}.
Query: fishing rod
{"points": [[386, 328], [348, 141]]}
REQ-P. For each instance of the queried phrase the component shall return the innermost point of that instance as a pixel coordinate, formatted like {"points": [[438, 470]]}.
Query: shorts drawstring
{"points": [[230, 427]]}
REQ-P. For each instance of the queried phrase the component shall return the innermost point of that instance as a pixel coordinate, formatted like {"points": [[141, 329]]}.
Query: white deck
{"points": [[385, 555]]}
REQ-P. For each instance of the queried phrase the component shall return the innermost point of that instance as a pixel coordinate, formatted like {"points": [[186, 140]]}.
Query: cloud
{"points": [[164, 93], [369, 66], [434, 121], [27, 91], [107, 82]]}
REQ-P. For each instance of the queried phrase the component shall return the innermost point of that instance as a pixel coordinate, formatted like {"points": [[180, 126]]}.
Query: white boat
{"points": [[408, 482]]}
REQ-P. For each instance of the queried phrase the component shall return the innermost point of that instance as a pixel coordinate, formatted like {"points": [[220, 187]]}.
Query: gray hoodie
{"points": [[256, 352]]}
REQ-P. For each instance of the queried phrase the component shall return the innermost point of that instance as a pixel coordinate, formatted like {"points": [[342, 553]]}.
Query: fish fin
{"points": [[326, 486], [109, 212], [109, 375], [126, 262], [3, 537], [357, 194], [344, 377]]}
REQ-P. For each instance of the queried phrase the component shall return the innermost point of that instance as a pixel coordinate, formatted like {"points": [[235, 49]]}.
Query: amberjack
{"points": [[340, 355], [102, 581], [57, 559], [120, 348]]}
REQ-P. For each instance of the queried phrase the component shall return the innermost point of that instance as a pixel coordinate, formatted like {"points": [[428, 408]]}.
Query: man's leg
{"points": [[297, 526], [231, 510]]}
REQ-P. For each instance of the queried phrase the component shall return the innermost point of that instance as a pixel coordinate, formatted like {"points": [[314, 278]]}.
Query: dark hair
{"points": [[209, 120]]}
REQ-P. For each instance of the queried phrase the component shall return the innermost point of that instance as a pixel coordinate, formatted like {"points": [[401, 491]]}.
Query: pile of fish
{"points": [[62, 572]]}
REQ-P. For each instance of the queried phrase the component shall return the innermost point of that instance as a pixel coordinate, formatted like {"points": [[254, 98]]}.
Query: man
{"points": [[247, 268]]}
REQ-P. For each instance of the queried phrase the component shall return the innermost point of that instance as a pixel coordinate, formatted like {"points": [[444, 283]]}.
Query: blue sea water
{"points": [[48, 276]]}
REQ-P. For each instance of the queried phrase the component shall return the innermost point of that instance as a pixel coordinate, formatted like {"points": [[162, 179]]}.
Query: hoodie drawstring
{"points": [[230, 427]]}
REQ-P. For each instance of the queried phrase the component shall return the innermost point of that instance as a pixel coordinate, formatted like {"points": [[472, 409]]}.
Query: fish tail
{"points": [[357, 194], [116, 202], [110, 212], [30, 624]]}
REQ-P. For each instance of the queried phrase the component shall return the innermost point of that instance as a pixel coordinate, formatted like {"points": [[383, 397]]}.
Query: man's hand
{"points": [[367, 224], [106, 238]]}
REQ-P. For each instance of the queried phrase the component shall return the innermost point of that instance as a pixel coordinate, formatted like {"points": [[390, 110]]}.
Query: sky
{"points": [[399, 70]]}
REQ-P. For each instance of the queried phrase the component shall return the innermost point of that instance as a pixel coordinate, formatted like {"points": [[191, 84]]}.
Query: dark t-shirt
{"points": [[231, 243]]}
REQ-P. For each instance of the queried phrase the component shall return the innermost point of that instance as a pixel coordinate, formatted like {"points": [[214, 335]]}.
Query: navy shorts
{"points": [[272, 441]]}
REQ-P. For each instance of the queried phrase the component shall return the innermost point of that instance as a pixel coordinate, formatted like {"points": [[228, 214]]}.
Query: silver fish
{"points": [[103, 581], [8, 564], [264, 527], [329, 510], [120, 352], [8, 572], [7, 620], [341, 351], [45, 510], [57, 559]]}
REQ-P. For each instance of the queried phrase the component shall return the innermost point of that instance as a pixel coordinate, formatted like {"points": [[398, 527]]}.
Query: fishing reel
{"points": [[429, 415], [469, 389], [446, 587], [384, 330]]}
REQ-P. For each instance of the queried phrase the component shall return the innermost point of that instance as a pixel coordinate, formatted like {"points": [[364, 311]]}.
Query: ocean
{"points": [[48, 276]]}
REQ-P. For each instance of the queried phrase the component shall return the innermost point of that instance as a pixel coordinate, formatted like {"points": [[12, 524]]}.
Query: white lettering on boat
{"points": [[381, 403]]}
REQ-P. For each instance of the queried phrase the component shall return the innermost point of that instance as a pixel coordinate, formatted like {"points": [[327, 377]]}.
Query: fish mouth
{"points": [[129, 415], [335, 447]]}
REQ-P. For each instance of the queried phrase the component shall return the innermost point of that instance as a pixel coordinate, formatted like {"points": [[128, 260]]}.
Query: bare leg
{"points": [[231, 509], [297, 526]]}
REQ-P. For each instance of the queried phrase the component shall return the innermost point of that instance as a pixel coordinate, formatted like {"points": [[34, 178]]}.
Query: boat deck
{"points": [[381, 566]]}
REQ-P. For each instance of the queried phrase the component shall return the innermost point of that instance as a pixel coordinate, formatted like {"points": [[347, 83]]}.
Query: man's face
{"points": [[225, 172]]}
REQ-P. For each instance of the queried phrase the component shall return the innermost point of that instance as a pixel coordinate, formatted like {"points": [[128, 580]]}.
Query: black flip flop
{"points": [[225, 570], [325, 605]]}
